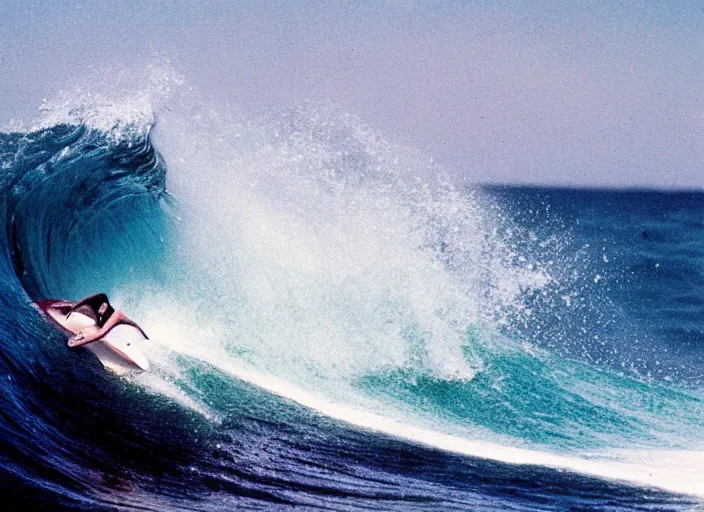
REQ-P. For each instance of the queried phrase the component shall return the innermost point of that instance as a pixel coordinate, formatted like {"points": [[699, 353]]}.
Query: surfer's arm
{"points": [[62, 304], [115, 319]]}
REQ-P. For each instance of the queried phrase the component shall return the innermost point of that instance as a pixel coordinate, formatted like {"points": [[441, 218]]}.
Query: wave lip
{"points": [[71, 192]]}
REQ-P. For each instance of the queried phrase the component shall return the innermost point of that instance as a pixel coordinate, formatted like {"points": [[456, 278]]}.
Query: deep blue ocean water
{"points": [[334, 327]]}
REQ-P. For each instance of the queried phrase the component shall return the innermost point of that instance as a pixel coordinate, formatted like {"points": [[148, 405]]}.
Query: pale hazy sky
{"points": [[577, 93]]}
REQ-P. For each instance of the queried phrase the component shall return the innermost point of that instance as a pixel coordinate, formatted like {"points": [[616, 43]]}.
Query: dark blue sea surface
{"points": [[585, 336]]}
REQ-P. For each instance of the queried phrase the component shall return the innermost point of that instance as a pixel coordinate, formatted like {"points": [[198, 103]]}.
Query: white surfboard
{"points": [[118, 350]]}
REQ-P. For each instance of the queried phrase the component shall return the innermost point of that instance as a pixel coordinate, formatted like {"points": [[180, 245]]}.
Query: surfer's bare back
{"points": [[98, 308]]}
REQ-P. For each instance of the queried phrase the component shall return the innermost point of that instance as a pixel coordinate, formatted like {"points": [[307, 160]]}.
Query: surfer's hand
{"points": [[75, 340]]}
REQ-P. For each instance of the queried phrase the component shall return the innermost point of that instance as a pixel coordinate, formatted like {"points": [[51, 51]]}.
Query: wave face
{"points": [[336, 325]]}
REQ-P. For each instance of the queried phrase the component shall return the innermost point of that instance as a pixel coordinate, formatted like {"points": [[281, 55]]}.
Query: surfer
{"points": [[98, 308]]}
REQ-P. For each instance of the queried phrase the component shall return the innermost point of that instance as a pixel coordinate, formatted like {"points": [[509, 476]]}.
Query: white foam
{"points": [[158, 384], [119, 103]]}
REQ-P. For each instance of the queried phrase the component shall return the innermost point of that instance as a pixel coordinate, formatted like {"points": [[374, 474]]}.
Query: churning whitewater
{"points": [[336, 324]]}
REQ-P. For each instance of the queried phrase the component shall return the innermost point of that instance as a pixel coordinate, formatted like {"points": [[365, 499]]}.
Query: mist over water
{"points": [[321, 234]]}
